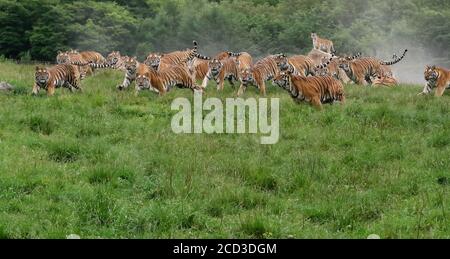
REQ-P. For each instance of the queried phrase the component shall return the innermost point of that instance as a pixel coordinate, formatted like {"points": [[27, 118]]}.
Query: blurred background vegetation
{"points": [[37, 29]]}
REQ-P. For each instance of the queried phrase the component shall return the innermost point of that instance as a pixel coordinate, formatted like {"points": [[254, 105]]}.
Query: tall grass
{"points": [[106, 164]]}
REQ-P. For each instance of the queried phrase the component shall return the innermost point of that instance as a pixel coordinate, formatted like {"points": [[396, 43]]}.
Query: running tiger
{"points": [[62, 75], [322, 44], [436, 77], [316, 90], [157, 61], [362, 70], [388, 81], [257, 75], [219, 70], [230, 64], [131, 65], [116, 60], [330, 67], [162, 81], [298, 65]]}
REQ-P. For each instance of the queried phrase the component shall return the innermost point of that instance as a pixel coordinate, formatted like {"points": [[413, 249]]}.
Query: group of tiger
{"points": [[316, 78]]}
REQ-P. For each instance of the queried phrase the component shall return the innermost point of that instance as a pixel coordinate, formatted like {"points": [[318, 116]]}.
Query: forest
{"points": [[37, 29]]}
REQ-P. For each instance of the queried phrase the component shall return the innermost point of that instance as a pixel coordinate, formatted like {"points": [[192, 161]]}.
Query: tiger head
{"points": [[247, 76], [313, 35], [283, 80], [282, 61], [321, 70], [131, 64], [431, 73], [143, 82], [42, 76], [215, 66], [344, 64], [113, 58], [62, 57], [153, 60]]}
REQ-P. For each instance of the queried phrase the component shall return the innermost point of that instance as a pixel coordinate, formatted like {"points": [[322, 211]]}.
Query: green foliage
{"points": [[260, 27]]}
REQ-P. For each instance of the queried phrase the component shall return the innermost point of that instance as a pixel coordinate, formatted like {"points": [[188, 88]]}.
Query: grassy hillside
{"points": [[106, 164]]}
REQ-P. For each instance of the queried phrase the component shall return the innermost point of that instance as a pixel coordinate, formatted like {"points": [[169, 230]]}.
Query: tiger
{"points": [[384, 80], [316, 90], [74, 57], [330, 67], [61, 75], [317, 56], [157, 61], [219, 70], [242, 61], [201, 66], [362, 70], [322, 44], [131, 65], [116, 60], [436, 77], [163, 80], [299, 65], [262, 71]]}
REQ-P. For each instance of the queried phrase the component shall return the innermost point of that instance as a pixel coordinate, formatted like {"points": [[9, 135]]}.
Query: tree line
{"points": [[37, 29]]}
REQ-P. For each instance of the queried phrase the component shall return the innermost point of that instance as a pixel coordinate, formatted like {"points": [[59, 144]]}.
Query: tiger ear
{"points": [[38, 68]]}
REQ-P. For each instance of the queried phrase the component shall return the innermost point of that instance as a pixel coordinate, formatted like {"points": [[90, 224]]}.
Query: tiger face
{"points": [[313, 36], [345, 65], [113, 58], [431, 74], [42, 76], [62, 58], [247, 76], [215, 66], [153, 60], [131, 64], [282, 80], [282, 62], [321, 71], [143, 82]]}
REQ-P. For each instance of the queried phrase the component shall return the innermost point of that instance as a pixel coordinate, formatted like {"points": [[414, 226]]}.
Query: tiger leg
{"points": [[220, 84], [126, 82], [440, 91], [205, 82], [315, 101], [262, 88], [35, 89], [230, 80], [51, 90], [242, 89]]}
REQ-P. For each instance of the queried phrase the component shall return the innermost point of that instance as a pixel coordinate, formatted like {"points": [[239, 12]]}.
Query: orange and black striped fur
{"points": [[436, 77], [316, 90], [317, 56], [226, 65], [330, 67], [385, 80], [157, 61], [298, 65], [257, 75], [62, 75], [131, 65], [322, 44], [163, 80], [362, 70], [219, 70], [116, 60]]}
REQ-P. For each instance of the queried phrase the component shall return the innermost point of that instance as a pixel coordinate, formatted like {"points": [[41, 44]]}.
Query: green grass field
{"points": [[105, 164]]}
